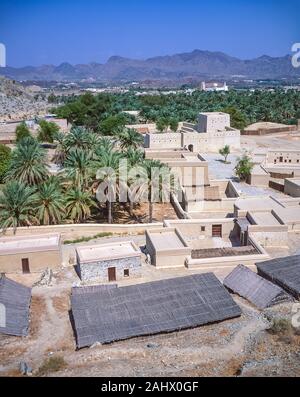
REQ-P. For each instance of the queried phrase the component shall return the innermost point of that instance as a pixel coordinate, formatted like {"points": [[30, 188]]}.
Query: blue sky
{"points": [[39, 32]]}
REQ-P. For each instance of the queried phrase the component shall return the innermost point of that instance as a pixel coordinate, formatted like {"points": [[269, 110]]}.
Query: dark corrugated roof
{"points": [[15, 298], [259, 291], [285, 272], [109, 315]]}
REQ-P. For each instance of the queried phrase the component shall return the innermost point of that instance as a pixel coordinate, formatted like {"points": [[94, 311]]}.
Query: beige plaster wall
{"points": [[38, 261]]}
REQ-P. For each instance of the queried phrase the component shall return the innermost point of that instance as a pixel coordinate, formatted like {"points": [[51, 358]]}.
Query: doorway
{"points": [[112, 274], [25, 266], [191, 148], [216, 230]]}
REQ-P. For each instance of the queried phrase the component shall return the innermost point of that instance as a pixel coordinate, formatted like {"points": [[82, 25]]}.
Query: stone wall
{"points": [[70, 232], [98, 271], [271, 239]]}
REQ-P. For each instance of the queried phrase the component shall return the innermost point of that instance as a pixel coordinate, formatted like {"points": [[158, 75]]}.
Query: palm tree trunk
{"points": [[150, 212], [110, 220], [131, 207]]}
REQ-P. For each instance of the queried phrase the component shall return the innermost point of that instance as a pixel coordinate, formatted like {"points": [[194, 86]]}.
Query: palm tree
{"points": [[61, 149], [157, 183], [80, 138], [50, 203], [78, 167], [78, 204], [105, 145], [107, 169], [135, 158], [28, 163], [17, 205], [130, 138]]}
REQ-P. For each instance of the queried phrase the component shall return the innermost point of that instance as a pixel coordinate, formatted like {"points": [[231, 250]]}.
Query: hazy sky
{"points": [[39, 32]]}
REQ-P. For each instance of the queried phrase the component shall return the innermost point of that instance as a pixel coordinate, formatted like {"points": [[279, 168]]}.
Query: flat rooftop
{"points": [[257, 203], [258, 170], [14, 245], [107, 251], [296, 181], [289, 215], [166, 239], [265, 219], [213, 113], [265, 126]]}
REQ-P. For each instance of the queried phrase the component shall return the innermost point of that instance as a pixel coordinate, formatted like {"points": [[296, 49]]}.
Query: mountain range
{"points": [[192, 65]]}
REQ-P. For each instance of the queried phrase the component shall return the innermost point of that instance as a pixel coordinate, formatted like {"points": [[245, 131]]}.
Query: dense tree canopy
{"points": [[103, 113]]}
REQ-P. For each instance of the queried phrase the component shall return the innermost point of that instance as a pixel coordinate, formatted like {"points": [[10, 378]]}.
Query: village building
{"points": [[202, 244], [213, 86], [211, 133], [272, 167], [108, 262], [30, 254], [196, 192], [8, 129], [265, 128], [292, 187], [167, 248]]}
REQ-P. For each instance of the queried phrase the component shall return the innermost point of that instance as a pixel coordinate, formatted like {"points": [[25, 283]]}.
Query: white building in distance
{"points": [[209, 87]]}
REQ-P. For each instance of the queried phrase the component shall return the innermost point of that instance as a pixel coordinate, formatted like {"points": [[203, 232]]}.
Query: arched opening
{"points": [[191, 148], [2, 316]]}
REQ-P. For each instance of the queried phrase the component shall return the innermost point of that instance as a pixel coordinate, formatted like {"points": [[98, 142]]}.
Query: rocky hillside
{"points": [[196, 64], [18, 102]]}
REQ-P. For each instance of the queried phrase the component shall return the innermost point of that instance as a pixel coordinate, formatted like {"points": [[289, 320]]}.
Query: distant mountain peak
{"points": [[197, 64]]}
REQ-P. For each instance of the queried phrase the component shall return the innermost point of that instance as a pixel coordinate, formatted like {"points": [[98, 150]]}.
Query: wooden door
{"points": [[217, 230], [112, 274], [25, 266]]}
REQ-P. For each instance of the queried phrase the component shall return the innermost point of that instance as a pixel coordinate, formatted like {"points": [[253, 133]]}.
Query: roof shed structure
{"points": [[107, 315], [14, 307], [257, 290], [29, 254], [167, 247], [109, 262], [285, 272]]}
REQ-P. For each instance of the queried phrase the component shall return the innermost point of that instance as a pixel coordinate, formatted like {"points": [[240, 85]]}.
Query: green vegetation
{"points": [[22, 131], [35, 197], [52, 364], [280, 326], [5, 157], [28, 163], [102, 113], [244, 167], [17, 205], [225, 152], [99, 140], [164, 123], [87, 239], [47, 131], [129, 138]]}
